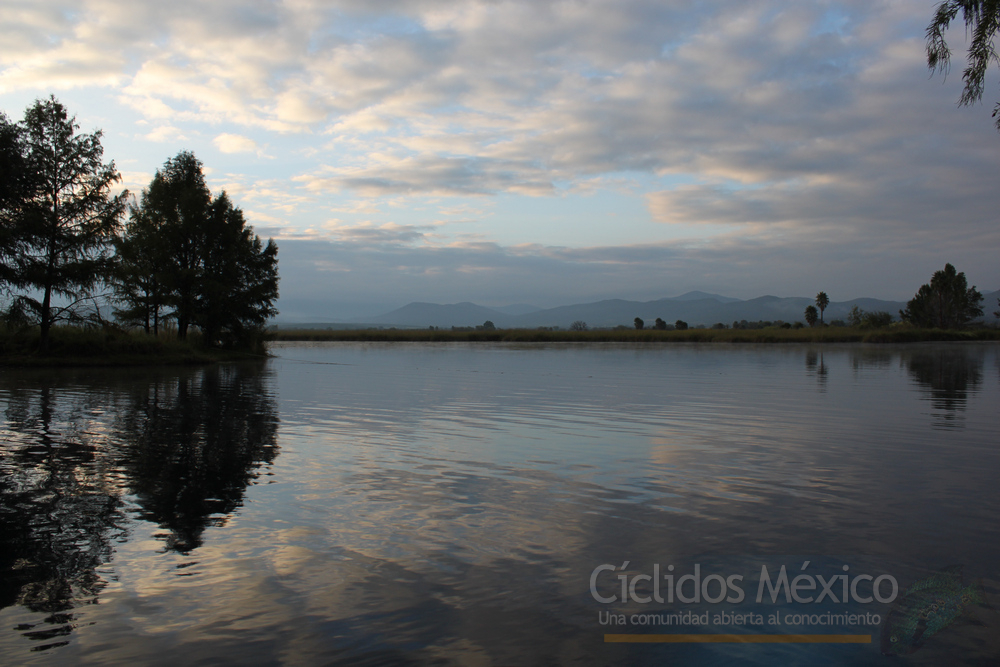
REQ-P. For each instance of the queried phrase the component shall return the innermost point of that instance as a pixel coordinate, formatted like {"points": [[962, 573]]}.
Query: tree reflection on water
{"points": [[83, 454], [949, 374]]}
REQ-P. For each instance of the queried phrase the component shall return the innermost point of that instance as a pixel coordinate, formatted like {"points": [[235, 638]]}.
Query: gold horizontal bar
{"points": [[738, 639]]}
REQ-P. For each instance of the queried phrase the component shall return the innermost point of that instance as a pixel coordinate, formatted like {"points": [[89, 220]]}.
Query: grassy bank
{"points": [[76, 346], [768, 335]]}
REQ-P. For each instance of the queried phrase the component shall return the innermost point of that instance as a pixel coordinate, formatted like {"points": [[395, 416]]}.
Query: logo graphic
{"points": [[928, 607]]}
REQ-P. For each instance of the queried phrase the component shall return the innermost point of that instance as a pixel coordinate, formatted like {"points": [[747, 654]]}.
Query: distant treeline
{"points": [[906, 334]]}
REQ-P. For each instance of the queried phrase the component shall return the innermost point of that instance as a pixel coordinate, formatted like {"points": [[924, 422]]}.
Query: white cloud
{"points": [[777, 123], [165, 134], [235, 143]]}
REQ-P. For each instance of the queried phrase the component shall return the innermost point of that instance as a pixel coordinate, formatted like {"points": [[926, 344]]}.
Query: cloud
{"points": [[432, 175], [165, 134], [235, 143], [774, 128], [408, 264]]}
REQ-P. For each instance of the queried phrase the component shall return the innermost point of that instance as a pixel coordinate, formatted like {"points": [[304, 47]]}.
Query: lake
{"points": [[502, 504]]}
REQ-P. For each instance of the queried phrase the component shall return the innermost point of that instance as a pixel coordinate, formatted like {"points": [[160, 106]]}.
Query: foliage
{"points": [[489, 326], [185, 250], [811, 316], [859, 317], [15, 192], [982, 20], [660, 324], [239, 279], [876, 319], [65, 225], [855, 316], [578, 325], [639, 324], [138, 277], [759, 324], [176, 208], [822, 301], [947, 302], [680, 325]]}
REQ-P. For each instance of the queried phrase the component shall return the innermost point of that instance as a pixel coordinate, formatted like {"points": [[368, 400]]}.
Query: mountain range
{"points": [[695, 308]]}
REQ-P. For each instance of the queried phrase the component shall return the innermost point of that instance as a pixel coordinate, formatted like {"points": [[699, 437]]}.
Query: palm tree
{"points": [[822, 301]]}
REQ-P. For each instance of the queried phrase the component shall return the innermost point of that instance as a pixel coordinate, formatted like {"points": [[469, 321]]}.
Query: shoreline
{"points": [[84, 348], [93, 351], [652, 336]]}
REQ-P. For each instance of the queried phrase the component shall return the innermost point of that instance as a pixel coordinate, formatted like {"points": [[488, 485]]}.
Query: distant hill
{"points": [[517, 309], [697, 296], [694, 308], [433, 314]]}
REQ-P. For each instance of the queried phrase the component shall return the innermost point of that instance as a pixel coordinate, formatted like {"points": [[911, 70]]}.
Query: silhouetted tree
{"points": [[138, 277], [65, 228], [660, 324], [489, 326], [855, 316], [982, 20], [15, 191], [947, 302], [877, 319], [206, 261], [578, 325], [822, 301], [176, 204], [811, 315], [239, 281], [858, 317], [681, 325], [639, 324]]}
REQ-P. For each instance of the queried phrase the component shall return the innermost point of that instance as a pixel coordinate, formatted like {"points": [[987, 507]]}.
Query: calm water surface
{"points": [[449, 504]]}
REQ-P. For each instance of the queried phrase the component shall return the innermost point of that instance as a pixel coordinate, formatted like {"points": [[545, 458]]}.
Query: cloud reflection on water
{"points": [[449, 502]]}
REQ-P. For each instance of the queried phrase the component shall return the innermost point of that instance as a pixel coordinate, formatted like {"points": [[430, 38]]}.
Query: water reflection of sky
{"points": [[449, 502]]}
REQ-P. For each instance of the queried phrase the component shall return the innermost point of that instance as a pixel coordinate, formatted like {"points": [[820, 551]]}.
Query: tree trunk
{"points": [[46, 322]]}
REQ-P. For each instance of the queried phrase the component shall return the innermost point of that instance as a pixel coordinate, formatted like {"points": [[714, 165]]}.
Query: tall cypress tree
{"points": [[240, 280], [65, 227], [15, 190], [199, 257], [170, 224], [139, 275]]}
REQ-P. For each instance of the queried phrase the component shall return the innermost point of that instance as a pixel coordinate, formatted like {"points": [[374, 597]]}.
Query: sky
{"points": [[545, 153]]}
